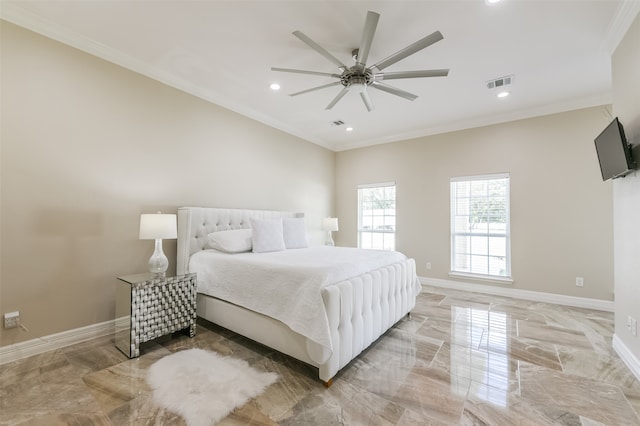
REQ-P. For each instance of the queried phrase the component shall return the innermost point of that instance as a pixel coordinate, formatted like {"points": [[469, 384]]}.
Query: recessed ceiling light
{"points": [[275, 86], [349, 129], [503, 94], [491, 1]]}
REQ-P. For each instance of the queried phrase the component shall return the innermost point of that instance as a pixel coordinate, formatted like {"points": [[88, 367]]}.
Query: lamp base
{"points": [[329, 240], [158, 262]]}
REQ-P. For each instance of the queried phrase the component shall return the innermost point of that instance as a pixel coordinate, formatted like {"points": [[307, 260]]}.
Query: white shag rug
{"points": [[204, 387]]}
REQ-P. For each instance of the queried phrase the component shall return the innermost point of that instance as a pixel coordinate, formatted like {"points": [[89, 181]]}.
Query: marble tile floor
{"points": [[460, 359]]}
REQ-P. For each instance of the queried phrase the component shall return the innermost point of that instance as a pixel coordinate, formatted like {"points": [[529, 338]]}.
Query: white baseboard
{"points": [[627, 356], [536, 296], [37, 346]]}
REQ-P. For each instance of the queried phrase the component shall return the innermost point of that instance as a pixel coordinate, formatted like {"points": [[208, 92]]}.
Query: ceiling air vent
{"points": [[499, 82], [337, 123]]}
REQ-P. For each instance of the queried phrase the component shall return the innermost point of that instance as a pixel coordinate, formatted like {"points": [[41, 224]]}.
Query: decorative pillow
{"points": [[233, 241], [294, 233], [266, 235]]}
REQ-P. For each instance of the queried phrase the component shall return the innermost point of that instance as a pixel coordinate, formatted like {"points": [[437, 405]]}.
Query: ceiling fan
{"points": [[359, 77]]}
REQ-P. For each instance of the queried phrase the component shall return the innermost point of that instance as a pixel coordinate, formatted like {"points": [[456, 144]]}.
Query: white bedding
{"points": [[286, 285]]}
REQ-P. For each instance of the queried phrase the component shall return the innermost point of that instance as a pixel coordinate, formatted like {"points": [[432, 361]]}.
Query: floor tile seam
{"points": [[486, 350], [139, 416], [76, 361], [142, 393], [420, 324], [477, 349], [483, 383], [435, 356], [562, 366], [115, 394], [55, 378], [633, 409], [78, 367], [51, 353], [472, 412], [562, 329], [588, 331], [42, 410], [519, 379], [464, 404], [425, 410], [608, 381], [577, 377]]}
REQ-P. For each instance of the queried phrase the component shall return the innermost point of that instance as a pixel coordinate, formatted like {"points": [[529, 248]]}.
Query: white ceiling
{"points": [[558, 51]]}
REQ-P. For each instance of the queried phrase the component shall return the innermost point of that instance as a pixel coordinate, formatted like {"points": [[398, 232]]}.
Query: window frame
{"points": [[360, 229], [506, 278]]}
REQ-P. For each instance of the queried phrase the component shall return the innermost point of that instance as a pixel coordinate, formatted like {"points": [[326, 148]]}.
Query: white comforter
{"points": [[286, 285]]}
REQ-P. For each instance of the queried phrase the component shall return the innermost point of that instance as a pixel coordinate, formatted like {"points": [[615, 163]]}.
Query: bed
{"points": [[344, 309]]}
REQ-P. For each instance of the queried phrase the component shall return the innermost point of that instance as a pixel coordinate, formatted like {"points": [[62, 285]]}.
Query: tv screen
{"points": [[614, 154]]}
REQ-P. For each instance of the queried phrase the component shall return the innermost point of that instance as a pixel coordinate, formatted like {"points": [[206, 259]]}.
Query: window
{"points": [[377, 216], [480, 243]]}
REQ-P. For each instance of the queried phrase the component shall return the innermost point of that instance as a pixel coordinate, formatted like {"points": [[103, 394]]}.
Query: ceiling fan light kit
{"points": [[359, 77]]}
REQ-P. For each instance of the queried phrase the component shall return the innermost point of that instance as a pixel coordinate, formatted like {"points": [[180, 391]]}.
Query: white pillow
{"points": [[266, 235], [294, 233], [233, 241]]}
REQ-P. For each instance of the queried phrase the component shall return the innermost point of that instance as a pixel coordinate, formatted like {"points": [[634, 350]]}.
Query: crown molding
{"points": [[605, 98], [624, 17]]}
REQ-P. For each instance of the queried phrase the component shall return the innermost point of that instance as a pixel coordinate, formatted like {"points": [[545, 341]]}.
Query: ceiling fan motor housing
{"points": [[356, 75]]}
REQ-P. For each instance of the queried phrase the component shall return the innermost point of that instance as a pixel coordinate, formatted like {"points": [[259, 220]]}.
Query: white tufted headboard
{"points": [[195, 223]]}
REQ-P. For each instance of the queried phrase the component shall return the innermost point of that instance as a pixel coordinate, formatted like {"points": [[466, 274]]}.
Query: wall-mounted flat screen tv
{"points": [[614, 153]]}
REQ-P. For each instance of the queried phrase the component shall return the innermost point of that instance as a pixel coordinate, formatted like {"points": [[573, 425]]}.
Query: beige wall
{"points": [[561, 219], [626, 200], [87, 146]]}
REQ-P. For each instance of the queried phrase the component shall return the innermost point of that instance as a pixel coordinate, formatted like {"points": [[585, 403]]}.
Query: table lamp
{"points": [[329, 224], [157, 227]]}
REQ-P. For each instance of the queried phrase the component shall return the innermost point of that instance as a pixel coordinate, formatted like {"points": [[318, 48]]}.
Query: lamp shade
{"points": [[158, 226], [330, 224]]}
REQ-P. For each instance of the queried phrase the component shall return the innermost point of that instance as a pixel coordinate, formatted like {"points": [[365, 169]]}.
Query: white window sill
{"points": [[489, 278]]}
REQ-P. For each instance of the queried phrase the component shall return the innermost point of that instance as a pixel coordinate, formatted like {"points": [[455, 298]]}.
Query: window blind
{"points": [[480, 240]]}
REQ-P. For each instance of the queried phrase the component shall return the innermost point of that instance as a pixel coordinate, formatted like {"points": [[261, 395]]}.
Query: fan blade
{"points": [[337, 98], [305, 72], [367, 100], [367, 38], [409, 50], [411, 74], [393, 90], [315, 46], [315, 88]]}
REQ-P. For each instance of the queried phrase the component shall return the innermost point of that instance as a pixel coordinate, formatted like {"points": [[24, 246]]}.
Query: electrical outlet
{"points": [[579, 281], [11, 319], [428, 265]]}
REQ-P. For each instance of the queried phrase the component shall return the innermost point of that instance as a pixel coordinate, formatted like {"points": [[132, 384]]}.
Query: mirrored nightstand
{"points": [[148, 307]]}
